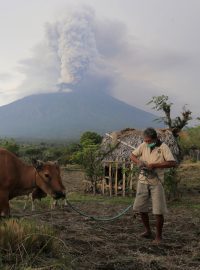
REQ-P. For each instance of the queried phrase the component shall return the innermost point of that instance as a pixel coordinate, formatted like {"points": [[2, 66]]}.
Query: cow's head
{"points": [[48, 178]]}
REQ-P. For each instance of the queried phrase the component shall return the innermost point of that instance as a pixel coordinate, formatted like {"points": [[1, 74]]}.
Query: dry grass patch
{"points": [[25, 243]]}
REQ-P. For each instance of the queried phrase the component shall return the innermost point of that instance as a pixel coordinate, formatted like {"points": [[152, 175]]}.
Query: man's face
{"points": [[149, 140]]}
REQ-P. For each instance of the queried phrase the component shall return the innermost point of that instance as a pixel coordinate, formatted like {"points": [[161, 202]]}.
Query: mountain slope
{"points": [[67, 115]]}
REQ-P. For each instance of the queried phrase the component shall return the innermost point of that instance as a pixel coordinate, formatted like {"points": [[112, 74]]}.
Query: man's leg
{"points": [[141, 206], [159, 209], [145, 220], [159, 227]]}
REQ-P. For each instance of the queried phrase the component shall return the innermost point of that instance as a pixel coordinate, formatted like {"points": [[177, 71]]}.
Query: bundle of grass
{"points": [[24, 243]]}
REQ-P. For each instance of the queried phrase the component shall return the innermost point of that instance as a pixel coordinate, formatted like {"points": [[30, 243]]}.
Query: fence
{"points": [[194, 154], [118, 178]]}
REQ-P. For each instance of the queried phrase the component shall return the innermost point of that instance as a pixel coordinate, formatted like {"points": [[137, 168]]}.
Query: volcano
{"points": [[66, 115]]}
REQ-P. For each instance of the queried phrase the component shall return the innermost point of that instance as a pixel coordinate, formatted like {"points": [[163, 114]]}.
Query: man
{"points": [[152, 157]]}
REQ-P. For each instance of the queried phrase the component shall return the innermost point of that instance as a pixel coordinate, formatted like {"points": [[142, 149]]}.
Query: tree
{"points": [[10, 145], [162, 103], [89, 138], [190, 139], [90, 156]]}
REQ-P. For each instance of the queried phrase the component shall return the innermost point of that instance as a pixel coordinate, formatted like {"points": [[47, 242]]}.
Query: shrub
{"points": [[171, 182], [10, 145]]}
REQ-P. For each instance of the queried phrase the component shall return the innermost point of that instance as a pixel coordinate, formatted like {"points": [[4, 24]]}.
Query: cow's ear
{"points": [[38, 164]]}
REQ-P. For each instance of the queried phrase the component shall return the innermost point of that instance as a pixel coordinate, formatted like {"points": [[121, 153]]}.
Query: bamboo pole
{"points": [[131, 177], [110, 179], [116, 176], [103, 186], [103, 181], [124, 179], [122, 142]]}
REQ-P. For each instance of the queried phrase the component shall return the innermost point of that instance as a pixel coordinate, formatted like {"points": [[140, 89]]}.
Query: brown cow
{"points": [[18, 178]]}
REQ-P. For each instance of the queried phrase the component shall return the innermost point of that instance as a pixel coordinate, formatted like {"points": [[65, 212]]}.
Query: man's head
{"points": [[150, 137]]}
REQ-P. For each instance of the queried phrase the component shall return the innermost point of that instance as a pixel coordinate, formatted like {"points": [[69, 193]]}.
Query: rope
{"points": [[82, 213], [96, 218]]}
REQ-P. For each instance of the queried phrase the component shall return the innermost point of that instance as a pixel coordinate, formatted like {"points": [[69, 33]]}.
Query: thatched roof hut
{"points": [[120, 144]]}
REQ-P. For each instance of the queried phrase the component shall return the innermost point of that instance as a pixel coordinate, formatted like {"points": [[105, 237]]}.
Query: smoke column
{"points": [[73, 42]]}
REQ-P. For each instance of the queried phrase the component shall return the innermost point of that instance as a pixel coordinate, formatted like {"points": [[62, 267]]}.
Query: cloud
{"points": [[83, 53], [5, 77], [66, 54]]}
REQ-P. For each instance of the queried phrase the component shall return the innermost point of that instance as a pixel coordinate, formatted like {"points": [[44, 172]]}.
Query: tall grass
{"points": [[25, 243], [77, 197]]}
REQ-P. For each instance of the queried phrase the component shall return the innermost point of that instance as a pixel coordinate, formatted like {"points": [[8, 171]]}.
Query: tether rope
{"points": [[82, 213], [96, 218]]}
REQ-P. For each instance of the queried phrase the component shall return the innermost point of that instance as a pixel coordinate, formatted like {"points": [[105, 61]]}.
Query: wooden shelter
{"points": [[118, 146]]}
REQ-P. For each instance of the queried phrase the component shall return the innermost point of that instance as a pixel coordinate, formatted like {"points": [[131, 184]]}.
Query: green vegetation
{"points": [[171, 181], [90, 138], [24, 244], [61, 153], [77, 197], [162, 103], [190, 138], [90, 157], [10, 145], [65, 153], [185, 204]]}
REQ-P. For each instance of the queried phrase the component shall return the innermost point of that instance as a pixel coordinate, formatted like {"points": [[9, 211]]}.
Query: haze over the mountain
{"points": [[66, 115]]}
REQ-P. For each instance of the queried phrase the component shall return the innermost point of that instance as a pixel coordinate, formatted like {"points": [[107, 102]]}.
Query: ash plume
{"points": [[81, 53]]}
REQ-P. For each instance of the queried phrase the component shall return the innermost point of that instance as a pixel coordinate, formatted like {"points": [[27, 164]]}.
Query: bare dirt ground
{"points": [[116, 245]]}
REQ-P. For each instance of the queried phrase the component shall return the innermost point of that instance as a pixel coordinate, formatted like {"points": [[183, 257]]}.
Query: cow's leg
{"points": [[4, 204], [65, 202], [54, 204], [32, 203], [25, 204], [26, 201]]}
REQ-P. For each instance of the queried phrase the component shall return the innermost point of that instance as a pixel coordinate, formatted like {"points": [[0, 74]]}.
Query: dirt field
{"points": [[116, 245]]}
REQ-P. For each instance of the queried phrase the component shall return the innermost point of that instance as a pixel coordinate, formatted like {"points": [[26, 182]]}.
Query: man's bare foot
{"points": [[147, 235], [157, 241]]}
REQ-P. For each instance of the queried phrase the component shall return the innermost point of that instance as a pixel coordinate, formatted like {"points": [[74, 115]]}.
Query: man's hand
{"points": [[138, 162], [151, 166], [141, 164], [135, 159]]}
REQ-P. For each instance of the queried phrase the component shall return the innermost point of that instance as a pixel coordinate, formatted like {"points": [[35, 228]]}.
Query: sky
{"points": [[136, 48]]}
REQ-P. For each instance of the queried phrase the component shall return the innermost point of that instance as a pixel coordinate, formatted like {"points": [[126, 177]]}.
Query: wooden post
{"points": [[102, 186], [103, 181], [131, 177], [110, 178], [124, 178], [116, 176]]}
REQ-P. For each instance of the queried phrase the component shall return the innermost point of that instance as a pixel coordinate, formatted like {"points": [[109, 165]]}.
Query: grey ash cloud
{"points": [[81, 52]]}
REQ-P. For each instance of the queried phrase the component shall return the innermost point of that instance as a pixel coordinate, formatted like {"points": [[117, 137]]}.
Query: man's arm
{"points": [[136, 160], [136, 154], [169, 160], [162, 165]]}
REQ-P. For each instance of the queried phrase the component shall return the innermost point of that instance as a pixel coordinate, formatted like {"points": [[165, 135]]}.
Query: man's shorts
{"points": [[145, 192]]}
